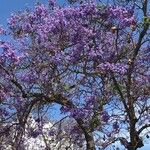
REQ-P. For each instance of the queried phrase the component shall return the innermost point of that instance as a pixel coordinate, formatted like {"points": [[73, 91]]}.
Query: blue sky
{"points": [[9, 6]]}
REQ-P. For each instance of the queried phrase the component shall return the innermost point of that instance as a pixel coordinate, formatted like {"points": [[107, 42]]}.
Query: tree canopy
{"points": [[90, 58]]}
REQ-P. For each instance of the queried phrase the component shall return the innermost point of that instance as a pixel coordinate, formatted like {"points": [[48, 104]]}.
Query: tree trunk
{"points": [[90, 141], [90, 144]]}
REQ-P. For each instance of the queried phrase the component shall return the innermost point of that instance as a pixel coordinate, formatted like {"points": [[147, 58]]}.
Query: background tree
{"points": [[91, 58]]}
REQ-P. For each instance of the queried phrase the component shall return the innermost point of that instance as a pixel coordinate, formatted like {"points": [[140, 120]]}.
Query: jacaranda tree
{"points": [[91, 59]]}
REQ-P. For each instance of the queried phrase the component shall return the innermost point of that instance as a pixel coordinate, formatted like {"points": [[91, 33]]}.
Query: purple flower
{"points": [[90, 101], [65, 109], [27, 27], [77, 112], [52, 3], [41, 10], [118, 67], [3, 112], [123, 17], [2, 31], [37, 120], [35, 134], [105, 116], [51, 133], [115, 125]]}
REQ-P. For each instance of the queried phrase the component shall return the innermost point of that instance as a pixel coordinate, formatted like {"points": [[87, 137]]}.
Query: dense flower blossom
{"points": [[8, 53], [124, 16], [70, 22], [90, 101], [118, 68]]}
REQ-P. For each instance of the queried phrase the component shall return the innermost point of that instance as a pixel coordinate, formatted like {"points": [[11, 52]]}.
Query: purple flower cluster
{"points": [[2, 31], [105, 116], [118, 67], [3, 95], [77, 112], [81, 113], [90, 101], [8, 54], [115, 126], [4, 112], [52, 133], [67, 28], [35, 134], [41, 10], [125, 17]]}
